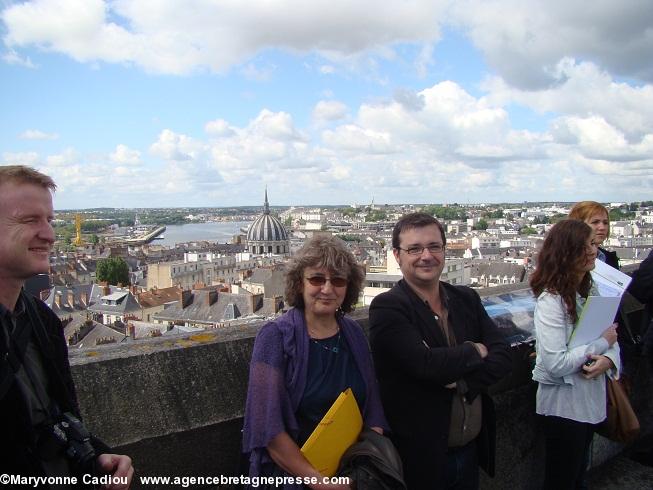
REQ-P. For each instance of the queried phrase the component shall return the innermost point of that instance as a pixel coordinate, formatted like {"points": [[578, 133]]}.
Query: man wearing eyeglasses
{"points": [[436, 352]]}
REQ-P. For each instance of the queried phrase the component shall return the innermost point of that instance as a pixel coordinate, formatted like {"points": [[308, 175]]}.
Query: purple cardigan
{"points": [[277, 378]]}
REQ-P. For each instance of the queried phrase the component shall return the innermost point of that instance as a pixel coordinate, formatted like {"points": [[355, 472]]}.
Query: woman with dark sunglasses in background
{"points": [[304, 359]]}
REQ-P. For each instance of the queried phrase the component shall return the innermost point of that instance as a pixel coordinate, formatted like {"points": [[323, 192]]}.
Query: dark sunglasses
{"points": [[336, 282]]}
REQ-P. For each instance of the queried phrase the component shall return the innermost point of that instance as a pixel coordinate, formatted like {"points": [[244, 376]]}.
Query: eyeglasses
{"points": [[336, 282], [436, 248]]}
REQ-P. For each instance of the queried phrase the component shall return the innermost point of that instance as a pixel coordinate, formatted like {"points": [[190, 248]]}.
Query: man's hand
{"points": [[116, 465]]}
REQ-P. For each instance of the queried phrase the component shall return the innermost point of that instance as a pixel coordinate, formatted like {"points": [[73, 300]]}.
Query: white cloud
{"points": [[329, 110], [176, 147], [30, 158], [125, 156], [218, 128], [68, 157], [35, 134], [585, 92], [169, 37], [11, 57], [525, 39], [275, 126]]}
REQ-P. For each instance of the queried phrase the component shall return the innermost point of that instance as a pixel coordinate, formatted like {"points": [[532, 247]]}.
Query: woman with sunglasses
{"points": [[304, 359], [571, 393]]}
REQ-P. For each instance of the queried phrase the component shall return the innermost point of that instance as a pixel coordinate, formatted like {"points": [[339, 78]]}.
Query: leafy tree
{"points": [[494, 214], [557, 217], [619, 214], [448, 212], [540, 220], [481, 225], [527, 230], [95, 239], [93, 226], [374, 216], [113, 270]]}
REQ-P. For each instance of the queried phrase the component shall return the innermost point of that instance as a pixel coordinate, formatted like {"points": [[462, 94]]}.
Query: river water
{"points": [[219, 231]]}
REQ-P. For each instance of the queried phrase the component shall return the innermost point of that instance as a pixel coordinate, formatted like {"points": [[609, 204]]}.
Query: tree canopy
{"points": [[374, 215], [113, 270], [445, 212], [481, 225]]}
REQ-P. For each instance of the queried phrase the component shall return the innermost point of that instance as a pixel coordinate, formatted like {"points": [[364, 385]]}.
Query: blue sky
{"points": [[171, 103]]}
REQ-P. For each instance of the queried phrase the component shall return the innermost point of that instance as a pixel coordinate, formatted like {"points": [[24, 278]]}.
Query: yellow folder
{"points": [[338, 429]]}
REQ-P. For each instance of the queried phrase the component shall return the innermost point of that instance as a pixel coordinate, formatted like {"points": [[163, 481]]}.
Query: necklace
{"points": [[335, 349]]}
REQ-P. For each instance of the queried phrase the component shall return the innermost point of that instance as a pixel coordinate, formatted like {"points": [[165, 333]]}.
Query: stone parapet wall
{"points": [[175, 404]]}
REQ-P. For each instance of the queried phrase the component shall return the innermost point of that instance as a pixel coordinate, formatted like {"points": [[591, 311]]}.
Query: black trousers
{"points": [[567, 444]]}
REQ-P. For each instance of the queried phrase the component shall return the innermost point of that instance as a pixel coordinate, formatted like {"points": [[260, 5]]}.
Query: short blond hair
{"points": [[23, 174]]}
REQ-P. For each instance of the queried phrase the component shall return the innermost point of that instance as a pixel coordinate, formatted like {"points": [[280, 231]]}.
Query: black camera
{"points": [[71, 436]]}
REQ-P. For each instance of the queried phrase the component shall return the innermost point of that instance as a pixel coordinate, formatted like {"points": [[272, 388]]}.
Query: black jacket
{"points": [[642, 284], [414, 363], [16, 455], [610, 258]]}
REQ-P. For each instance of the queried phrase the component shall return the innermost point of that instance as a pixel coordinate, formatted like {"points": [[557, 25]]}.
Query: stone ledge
{"points": [[175, 404]]}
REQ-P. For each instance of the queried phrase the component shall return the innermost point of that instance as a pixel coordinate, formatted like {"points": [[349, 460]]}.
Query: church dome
{"points": [[266, 234], [266, 228]]}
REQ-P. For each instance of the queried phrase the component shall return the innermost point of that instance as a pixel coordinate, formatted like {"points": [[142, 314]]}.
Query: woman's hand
{"points": [[598, 366], [610, 334]]}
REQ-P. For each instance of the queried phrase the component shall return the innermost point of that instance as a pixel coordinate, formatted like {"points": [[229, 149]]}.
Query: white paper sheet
{"points": [[608, 280], [598, 314]]}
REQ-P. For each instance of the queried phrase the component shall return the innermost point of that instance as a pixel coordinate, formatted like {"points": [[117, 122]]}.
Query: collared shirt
{"points": [[466, 418]]}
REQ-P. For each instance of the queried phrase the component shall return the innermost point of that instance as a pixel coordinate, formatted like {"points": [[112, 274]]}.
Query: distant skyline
{"points": [[162, 103]]}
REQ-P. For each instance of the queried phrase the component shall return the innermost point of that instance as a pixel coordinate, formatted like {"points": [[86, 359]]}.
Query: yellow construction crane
{"points": [[78, 228]]}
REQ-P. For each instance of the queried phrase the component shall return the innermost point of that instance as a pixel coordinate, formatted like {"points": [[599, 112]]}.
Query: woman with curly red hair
{"points": [[571, 394]]}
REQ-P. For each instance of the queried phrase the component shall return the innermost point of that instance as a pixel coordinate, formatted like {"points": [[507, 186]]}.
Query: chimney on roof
{"points": [[211, 297], [185, 298]]}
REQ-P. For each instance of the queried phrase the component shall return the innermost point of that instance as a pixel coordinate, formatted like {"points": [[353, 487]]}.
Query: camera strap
{"points": [[46, 349], [17, 340]]}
